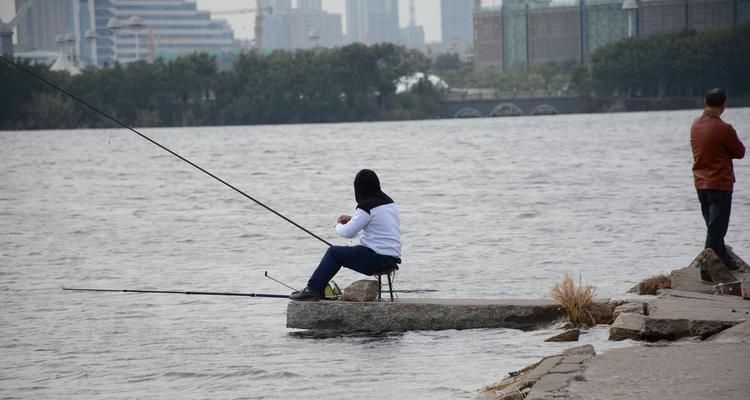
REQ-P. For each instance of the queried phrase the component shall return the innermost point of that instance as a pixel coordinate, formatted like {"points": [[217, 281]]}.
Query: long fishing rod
{"points": [[115, 120], [276, 296]]}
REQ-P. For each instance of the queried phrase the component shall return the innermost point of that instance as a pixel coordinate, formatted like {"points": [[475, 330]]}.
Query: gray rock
{"points": [[422, 314], [632, 308], [567, 336], [363, 290], [627, 326], [716, 269], [603, 312], [739, 262], [737, 334], [745, 289]]}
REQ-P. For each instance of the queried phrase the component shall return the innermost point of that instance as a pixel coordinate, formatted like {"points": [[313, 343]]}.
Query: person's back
{"points": [[715, 144]]}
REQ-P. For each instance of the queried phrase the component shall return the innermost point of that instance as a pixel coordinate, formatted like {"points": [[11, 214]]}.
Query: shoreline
{"points": [[691, 344]]}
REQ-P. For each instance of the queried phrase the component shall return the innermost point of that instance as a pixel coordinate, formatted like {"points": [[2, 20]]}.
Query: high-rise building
{"points": [[383, 21], [525, 33], [309, 4], [297, 29], [412, 36], [279, 6], [143, 30], [457, 21], [372, 21], [356, 21]]}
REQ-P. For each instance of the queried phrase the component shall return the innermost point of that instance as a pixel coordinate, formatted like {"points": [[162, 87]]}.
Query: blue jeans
{"points": [[716, 205], [358, 258]]}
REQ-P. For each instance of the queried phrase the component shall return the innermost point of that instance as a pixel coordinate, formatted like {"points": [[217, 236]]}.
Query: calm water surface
{"points": [[491, 208]]}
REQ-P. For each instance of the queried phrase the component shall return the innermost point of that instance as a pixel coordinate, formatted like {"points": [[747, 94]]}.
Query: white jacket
{"points": [[381, 229]]}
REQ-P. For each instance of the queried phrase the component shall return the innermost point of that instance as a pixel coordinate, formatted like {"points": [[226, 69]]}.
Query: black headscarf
{"points": [[367, 191]]}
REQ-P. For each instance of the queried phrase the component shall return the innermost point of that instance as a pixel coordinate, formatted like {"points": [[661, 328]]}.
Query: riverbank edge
{"points": [[690, 318]]}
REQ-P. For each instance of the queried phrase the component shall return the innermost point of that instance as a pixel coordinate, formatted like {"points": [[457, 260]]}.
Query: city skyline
{"points": [[427, 14]]}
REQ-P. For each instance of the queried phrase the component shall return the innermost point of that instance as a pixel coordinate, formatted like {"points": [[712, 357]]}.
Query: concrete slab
{"points": [[679, 372], [688, 279], [739, 333], [546, 380], [676, 314], [423, 314]]}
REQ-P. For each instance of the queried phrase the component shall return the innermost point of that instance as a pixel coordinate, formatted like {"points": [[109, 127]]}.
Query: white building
{"points": [[103, 31]]}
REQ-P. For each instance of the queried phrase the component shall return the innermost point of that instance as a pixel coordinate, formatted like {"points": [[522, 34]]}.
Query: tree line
{"points": [[686, 63], [358, 83], [351, 83]]}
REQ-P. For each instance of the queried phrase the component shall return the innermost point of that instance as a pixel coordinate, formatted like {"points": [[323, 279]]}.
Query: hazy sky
{"points": [[428, 14]]}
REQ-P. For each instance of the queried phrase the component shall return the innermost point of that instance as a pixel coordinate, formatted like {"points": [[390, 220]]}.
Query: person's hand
{"points": [[343, 219]]}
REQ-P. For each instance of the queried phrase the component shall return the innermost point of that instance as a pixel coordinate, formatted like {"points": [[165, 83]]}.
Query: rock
{"points": [[563, 326], [713, 266], [603, 313], [740, 263], [745, 289], [567, 336], [633, 308], [363, 290], [652, 285], [739, 333], [627, 326]]}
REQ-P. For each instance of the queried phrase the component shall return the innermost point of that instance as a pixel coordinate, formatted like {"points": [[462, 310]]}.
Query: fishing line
{"points": [[275, 296], [113, 119]]}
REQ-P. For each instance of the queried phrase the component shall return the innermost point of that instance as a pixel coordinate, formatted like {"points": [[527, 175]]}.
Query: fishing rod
{"points": [[118, 122], [276, 296]]}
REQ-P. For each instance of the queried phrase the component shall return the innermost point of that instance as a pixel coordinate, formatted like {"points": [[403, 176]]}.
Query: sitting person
{"points": [[377, 217]]}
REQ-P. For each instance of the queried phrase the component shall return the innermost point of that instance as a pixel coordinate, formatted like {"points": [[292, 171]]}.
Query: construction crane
{"points": [[6, 31], [258, 10]]}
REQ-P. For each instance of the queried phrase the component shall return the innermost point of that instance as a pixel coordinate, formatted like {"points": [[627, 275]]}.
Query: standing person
{"points": [[377, 217], [715, 144]]}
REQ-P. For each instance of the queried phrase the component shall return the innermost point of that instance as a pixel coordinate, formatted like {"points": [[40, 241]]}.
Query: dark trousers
{"points": [[358, 258], [716, 206]]}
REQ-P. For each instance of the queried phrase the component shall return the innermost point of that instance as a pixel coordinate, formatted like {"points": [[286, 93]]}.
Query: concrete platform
{"points": [[676, 314], [422, 314]]}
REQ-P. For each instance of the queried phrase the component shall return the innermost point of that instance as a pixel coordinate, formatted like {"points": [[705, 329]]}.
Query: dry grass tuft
{"points": [[575, 300], [652, 285]]}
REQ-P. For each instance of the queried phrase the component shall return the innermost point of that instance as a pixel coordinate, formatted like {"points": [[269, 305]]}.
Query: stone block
{"points": [[716, 269], [585, 350], [567, 336], [603, 312], [627, 326], [738, 262], [362, 290], [739, 333], [421, 314], [632, 308]]}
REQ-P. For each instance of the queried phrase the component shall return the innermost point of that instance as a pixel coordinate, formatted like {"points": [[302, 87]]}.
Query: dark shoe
{"points": [[306, 294], [705, 278]]}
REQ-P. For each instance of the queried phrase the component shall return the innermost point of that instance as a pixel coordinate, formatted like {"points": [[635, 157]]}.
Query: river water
{"points": [[491, 208]]}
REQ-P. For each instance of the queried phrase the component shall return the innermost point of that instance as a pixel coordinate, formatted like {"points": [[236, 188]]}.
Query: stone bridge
{"points": [[490, 103]]}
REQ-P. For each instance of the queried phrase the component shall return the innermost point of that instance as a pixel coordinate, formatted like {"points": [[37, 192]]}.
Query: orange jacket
{"points": [[714, 144]]}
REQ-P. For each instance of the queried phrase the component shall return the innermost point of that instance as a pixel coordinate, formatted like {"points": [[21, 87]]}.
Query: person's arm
{"points": [[735, 146], [352, 228]]}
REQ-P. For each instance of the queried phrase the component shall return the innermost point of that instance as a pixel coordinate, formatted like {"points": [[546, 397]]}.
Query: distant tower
{"points": [[412, 36], [356, 20], [309, 4], [412, 14], [457, 20]]}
